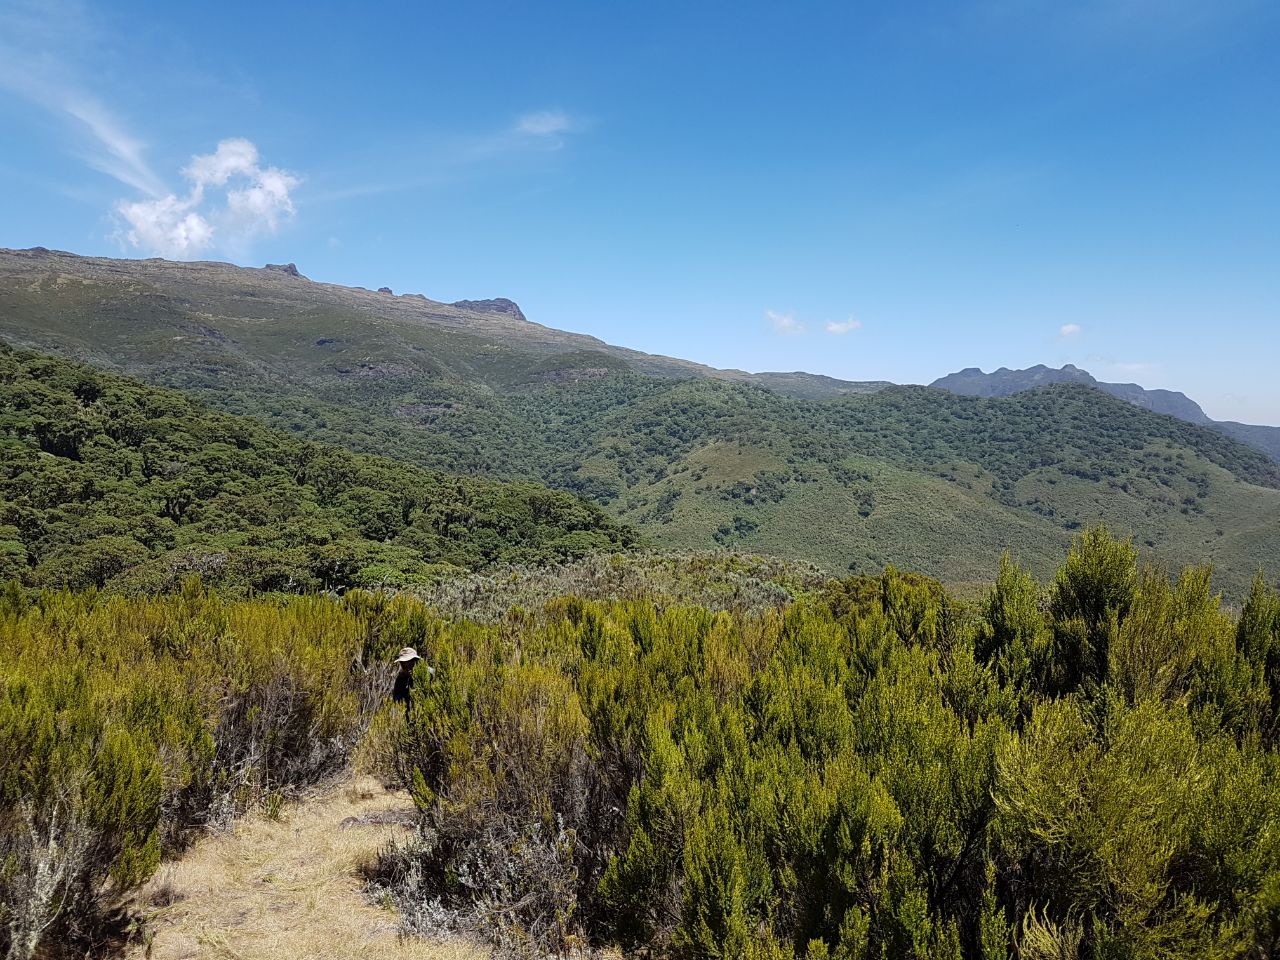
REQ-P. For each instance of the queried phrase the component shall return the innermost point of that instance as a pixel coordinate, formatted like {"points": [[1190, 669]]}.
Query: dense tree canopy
{"points": [[105, 482], [907, 475]]}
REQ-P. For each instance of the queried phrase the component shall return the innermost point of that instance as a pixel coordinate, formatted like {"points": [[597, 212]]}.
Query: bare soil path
{"points": [[287, 889]]}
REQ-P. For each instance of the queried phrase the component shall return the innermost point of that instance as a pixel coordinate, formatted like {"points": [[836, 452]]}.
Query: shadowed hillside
{"points": [[109, 483]]}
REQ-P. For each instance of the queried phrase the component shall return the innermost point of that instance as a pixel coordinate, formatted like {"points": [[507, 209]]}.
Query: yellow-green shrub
{"points": [[125, 724], [881, 773]]}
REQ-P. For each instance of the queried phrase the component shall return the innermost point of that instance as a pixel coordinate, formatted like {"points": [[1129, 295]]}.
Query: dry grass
{"points": [[287, 889]]}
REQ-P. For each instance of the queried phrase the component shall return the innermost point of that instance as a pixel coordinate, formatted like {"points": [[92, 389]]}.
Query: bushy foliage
{"points": [[128, 724], [717, 581], [1083, 770], [107, 483]]}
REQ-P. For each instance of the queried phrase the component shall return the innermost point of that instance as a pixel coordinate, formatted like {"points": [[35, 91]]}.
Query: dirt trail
{"points": [[287, 889]]}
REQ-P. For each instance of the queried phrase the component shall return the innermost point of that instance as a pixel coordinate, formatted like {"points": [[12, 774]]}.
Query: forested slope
{"points": [[1005, 382], [106, 482]]}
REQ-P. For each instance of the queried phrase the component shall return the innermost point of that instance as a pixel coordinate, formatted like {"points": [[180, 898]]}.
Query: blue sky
{"points": [[871, 191]]}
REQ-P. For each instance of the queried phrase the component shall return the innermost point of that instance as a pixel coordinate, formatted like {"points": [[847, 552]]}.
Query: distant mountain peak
{"points": [[1003, 382], [972, 382], [290, 268], [497, 305]]}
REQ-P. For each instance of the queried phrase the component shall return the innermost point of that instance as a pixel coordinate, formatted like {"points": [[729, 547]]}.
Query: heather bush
{"points": [[717, 581], [126, 725], [871, 769], [877, 770]]}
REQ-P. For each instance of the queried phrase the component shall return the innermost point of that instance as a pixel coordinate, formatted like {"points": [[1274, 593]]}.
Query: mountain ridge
{"points": [[850, 476], [1005, 382], [501, 316]]}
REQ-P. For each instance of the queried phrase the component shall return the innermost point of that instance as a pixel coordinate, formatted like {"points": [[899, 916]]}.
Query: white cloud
{"points": [[785, 324], [544, 123], [444, 162], [168, 226], [843, 326], [49, 50], [260, 206], [1070, 330], [233, 157], [255, 200]]}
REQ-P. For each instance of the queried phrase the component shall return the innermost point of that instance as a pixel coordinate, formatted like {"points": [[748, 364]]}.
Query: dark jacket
{"points": [[403, 685], [402, 691]]}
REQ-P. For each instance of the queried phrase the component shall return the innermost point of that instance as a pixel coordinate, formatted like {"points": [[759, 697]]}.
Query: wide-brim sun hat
{"points": [[407, 654]]}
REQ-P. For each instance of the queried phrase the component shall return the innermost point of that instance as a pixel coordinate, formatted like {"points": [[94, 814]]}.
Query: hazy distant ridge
{"points": [[972, 382]]}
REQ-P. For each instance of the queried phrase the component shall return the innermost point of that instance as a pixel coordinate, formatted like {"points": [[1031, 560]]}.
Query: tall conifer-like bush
{"points": [[1085, 769], [1082, 770]]}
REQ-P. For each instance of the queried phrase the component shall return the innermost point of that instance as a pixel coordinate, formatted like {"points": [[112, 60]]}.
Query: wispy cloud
{"points": [[446, 160], [39, 45], [232, 200], [840, 327], [785, 324], [1070, 330], [544, 123], [538, 130], [121, 154]]}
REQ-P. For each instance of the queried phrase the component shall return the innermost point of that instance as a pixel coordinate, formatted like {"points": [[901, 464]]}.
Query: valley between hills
{"points": [[852, 476]]}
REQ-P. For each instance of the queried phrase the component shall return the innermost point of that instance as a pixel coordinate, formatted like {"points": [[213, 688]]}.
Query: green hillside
{"points": [[105, 482], [850, 476], [1004, 382]]}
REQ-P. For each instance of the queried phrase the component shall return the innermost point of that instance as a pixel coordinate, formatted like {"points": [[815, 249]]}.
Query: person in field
{"points": [[402, 691]]}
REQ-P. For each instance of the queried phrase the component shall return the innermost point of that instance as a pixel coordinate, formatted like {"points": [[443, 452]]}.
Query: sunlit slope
{"points": [[218, 323], [695, 458], [948, 528], [915, 521]]}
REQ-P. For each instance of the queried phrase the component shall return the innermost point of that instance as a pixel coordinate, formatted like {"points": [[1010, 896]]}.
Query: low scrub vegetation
{"points": [[1085, 769], [1081, 769], [128, 724], [717, 581]]}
